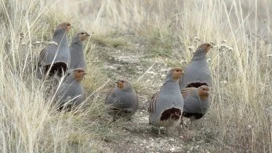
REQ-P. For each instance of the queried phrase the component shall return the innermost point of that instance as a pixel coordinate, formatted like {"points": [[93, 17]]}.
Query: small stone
{"points": [[230, 48], [37, 42], [191, 48], [224, 81], [172, 149]]}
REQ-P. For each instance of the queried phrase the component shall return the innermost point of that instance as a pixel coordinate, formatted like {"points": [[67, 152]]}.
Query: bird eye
{"points": [[82, 33], [68, 24]]}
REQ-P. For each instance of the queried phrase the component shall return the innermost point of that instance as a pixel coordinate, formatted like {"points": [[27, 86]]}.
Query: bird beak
{"points": [[87, 34]]}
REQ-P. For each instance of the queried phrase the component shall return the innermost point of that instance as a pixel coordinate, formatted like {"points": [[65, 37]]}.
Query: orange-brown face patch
{"points": [[203, 92], [68, 27], [65, 25], [177, 73], [206, 47], [120, 84], [79, 74]]}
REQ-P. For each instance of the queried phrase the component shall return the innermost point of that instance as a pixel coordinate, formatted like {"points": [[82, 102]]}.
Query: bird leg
{"points": [[155, 129], [159, 131]]}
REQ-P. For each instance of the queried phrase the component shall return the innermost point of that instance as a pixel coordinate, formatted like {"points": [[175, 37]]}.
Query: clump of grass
{"points": [[237, 111], [29, 122], [160, 41]]}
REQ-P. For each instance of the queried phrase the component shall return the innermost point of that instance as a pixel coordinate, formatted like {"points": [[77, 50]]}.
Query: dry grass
{"points": [[239, 30]]}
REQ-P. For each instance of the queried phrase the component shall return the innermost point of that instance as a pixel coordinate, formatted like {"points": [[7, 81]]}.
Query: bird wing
{"points": [[41, 57], [110, 96], [137, 98], [152, 103], [185, 92], [48, 53]]}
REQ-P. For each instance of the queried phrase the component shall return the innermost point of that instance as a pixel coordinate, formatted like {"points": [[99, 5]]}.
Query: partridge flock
{"points": [[183, 94]]}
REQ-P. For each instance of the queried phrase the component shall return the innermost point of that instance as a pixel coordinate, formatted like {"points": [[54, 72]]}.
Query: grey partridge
{"points": [[122, 101], [166, 106], [55, 57], [76, 51], [70, 92]]}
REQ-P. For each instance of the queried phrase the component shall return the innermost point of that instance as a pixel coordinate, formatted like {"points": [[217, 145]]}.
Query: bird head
{"points": [[203, 92], [202, 50], [123, 85], [175, 73], [80, 37], [79, 73], [83, 35], [65, 26]]}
